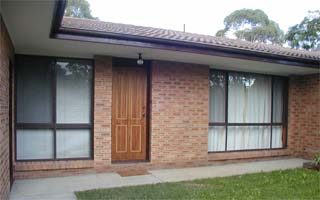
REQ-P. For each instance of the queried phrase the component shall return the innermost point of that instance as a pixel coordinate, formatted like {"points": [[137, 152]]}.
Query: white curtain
{"points": [[277, 137], [73, 143], [73, 93], [277, 100], [248, 137], [277, 112], [217, 97], [216, 138], [34, 144], [249, 99]]}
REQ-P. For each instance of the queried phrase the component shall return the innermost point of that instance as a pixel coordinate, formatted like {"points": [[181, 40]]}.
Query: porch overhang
{"points": [[35, 29]]}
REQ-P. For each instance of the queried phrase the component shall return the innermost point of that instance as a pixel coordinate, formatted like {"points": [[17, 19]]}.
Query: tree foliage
{"points": [[305, 35], [79, 9], [252, 25]]}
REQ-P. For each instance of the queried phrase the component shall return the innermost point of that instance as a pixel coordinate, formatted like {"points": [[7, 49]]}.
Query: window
{"points": [[34, 78], [73, 92], [247, 111], [34, 144], [54, 108]]}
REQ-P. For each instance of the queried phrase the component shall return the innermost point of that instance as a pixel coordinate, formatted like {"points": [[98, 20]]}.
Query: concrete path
{"points": [[63, 188]]}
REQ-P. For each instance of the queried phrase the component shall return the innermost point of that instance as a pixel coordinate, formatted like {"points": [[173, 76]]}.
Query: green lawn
{"points": [[288, 184]]}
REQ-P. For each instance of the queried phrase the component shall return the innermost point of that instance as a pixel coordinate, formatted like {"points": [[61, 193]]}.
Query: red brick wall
{"points": [[179, 112], [304, 115], [6, 52]]}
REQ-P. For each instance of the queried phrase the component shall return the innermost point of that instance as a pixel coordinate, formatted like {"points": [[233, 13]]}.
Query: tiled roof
{"points": [[190, 38]]}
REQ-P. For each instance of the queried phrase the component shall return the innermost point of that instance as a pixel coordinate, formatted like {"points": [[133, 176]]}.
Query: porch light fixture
{"points": [[140, 60]]}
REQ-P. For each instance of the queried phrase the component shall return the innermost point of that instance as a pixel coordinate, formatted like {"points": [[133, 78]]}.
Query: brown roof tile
{"points": [[158, 33]]}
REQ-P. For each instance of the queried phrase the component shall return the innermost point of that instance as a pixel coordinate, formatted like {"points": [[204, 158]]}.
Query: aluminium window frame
{"points": [[226, 124], [53, 124]]}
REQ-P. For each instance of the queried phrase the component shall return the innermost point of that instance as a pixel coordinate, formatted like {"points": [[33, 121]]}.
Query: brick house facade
{"points": [[178, 112], [179, 139]]}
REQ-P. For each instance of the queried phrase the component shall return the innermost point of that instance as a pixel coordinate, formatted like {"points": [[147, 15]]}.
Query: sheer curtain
{"points": [[216, 137], [277, 100], [277, 137], [248, 137], [249, 101], [217, 97], [278, 91]]}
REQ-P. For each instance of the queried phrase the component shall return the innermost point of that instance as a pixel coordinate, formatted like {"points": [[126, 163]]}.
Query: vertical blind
{"points": [[34, 101], [251, 100], [34, 144], [73, 92], [53, 108], [73, 143]]}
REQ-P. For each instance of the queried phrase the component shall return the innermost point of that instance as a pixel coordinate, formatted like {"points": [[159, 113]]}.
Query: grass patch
{"points": [[286, 184]]}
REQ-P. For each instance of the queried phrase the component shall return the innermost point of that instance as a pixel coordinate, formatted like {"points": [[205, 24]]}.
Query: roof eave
{"points": [[59, 32]]}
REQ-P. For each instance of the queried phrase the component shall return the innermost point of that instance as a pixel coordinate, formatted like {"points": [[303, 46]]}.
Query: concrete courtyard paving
{"points": [[63, 188]]}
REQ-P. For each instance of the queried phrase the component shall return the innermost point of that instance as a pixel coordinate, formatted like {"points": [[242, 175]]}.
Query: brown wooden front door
{"points": [[129, 101]]}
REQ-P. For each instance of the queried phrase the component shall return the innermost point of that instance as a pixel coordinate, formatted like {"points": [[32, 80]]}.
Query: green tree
{"points": [[252, 25], [79, 9], [305, 35]]}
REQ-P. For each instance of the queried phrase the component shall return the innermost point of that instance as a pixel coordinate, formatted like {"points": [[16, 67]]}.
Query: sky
{"points": [[200, 16]]}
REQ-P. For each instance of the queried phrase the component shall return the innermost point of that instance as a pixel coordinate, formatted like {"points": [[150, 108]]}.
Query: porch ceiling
{"points": [[29, 25]]}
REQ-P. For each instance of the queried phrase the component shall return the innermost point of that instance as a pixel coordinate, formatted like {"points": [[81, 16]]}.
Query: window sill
{"points": [[246, 150], [53, 165], [58, 159], [244, 154]]}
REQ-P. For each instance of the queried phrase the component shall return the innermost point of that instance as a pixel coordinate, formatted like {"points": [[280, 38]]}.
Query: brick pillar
{"points": [[179, 112], [102, 110]]}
